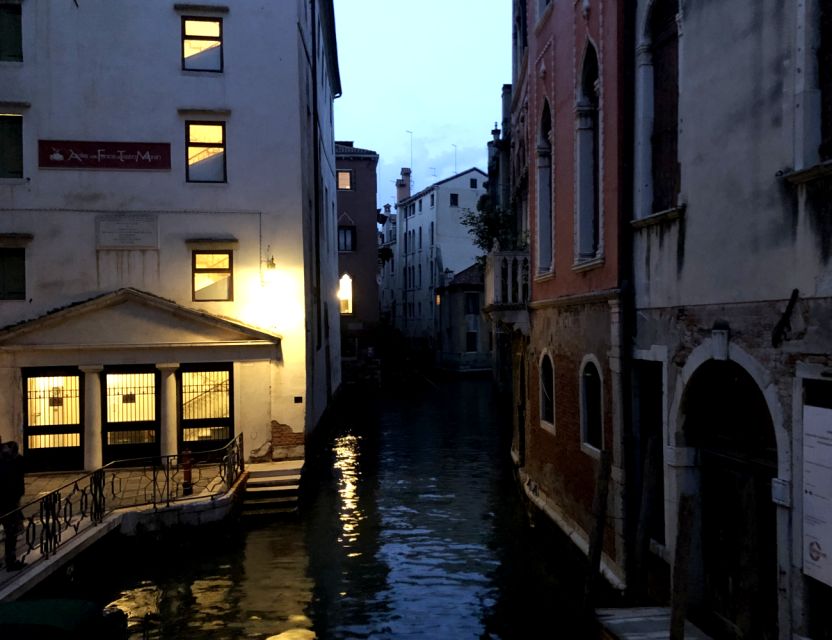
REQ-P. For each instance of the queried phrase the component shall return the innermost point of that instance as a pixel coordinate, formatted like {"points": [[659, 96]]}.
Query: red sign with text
{"points": [[86, 154]]}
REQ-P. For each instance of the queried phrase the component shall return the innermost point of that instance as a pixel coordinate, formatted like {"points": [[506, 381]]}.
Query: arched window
{"points": [[544, 193], [664, 52], [589, 158], [591, 407], [547, 391], [345, 293]]}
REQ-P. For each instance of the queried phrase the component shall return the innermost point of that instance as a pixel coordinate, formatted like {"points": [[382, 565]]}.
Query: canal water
{"points": [[411, 526]]}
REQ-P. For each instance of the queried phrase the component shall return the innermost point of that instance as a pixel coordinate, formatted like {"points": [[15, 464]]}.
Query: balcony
{"points": [[507, 288]]}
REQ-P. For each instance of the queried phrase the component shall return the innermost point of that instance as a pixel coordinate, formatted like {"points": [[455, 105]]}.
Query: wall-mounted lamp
{"points": [[268, 262]]}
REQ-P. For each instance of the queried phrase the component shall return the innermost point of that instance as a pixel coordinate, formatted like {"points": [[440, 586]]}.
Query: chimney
{"points": [[403, 185]]}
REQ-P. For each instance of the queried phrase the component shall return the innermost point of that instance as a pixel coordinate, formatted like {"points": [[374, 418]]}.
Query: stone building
{"points": [[732, 336], [167, 238], [463, 334], [357, 247]]}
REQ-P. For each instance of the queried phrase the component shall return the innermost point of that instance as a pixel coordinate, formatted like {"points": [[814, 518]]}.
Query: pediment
{"points": [[129, 318]]}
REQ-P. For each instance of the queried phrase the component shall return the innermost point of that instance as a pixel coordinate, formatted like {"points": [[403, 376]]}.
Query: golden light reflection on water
{"points": [[346, 462]]}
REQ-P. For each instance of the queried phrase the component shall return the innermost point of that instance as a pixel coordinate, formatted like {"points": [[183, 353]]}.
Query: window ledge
{"points": [[591, 451], [201, 73], [15, 240], [199, 111], [660, 217], [15, 104], [586, 265], [212, 243], [201, 8], [13, 182], [544, 275], [802, 176], [548, 427]]}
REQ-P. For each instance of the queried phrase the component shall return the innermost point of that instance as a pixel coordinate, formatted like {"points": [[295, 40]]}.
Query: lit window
{"points": [[205, 393], [345, 293], [12, 274], [11, 145], [345, 180], [202, 44], [206, 152], [346, 238], [11, 48], [454, 199], [212, 276], [52, 402]]}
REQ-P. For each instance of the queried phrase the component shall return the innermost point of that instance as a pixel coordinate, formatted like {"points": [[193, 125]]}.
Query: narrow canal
{"points": [[411, 526]]}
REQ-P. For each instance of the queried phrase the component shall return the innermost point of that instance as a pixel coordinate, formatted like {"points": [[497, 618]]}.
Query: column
{"points": [[93, 446], [168, 404]]}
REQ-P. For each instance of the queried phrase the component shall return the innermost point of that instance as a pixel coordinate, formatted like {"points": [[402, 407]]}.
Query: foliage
{"points": [[490, 223], [385, 254]]}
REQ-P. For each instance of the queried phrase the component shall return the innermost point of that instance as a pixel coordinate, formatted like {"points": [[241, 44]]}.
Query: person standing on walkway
{"points": [[12, 488]]}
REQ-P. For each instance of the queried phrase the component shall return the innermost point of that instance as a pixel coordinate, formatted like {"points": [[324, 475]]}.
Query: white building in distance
{"points": [[431, 245], [168, 263]]}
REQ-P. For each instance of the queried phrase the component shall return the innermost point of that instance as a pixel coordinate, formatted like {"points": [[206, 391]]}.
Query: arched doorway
{"points": [[726, 419]]}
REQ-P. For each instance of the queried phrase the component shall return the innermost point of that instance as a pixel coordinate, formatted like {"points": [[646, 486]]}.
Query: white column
{"points": [[93, 445], [168, 404]]}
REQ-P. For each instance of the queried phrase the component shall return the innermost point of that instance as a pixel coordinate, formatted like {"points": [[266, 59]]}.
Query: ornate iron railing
{"points": [[46, 523]]}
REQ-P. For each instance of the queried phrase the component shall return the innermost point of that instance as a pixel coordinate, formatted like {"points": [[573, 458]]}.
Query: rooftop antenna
{"points": [[454, 146], [433, 171], [411, 147]]}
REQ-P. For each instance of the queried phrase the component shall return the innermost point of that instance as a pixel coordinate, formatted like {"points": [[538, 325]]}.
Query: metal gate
{"points": [[206, 406], [53, 429], [131, 421]]}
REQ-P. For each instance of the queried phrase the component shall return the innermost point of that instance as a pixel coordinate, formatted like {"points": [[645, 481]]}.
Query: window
{"points": [[11, 42], [454, 199], [345, 293], [473, 183], [664, 51], [591, 406], [205, 410], [12, 274], [432, 199], [212, 276], [431, 234], [544, 193], [825, 77], [420, 237], [472, 303], [472, 321], [345, 182], [420, 204], [11, 145], [588, 156], [206, 152], [53, 401], [202, 44], [547, 391], [346, 238]]}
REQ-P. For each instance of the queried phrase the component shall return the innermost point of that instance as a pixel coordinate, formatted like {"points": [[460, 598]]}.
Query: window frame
{"points": [[220, 39], [7, 253], [351, 233], [5, 7], [454, 200], [346, 305], [206, 145], [17, 173], [547, 425], [351, 174], [587, 446], [229, 271]]}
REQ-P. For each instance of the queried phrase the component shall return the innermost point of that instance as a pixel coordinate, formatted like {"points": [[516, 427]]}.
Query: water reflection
{"points": [[410, 527]]}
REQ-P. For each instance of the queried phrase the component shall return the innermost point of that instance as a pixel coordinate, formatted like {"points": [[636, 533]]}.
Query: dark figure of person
{"points": [[12, 488]]}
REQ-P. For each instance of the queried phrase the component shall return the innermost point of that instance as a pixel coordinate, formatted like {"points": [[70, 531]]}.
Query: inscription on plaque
{"points": [[127, 232]]}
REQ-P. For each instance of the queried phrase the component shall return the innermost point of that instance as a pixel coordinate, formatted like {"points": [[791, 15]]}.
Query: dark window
{"points": [[13, 274], [454, 199], [11, 146], [591, 406], [431, 234], [472, 304], [825, 76], [206, 152], [471, 339], [212, 276], [545, 200], [202, 44], [589, 160], [345, 181], [473, 183], [665, 53], [420, 204], [346, 239], [432, 199], [547, 391], [11, 42], [420, 237]]}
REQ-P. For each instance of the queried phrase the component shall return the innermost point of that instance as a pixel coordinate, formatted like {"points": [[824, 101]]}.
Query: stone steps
{"points": [[272, 488]]}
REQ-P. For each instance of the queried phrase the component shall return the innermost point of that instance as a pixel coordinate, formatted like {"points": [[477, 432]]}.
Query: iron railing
{"points": [[51, 520]]}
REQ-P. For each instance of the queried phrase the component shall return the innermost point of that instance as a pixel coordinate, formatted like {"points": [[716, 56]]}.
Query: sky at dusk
{"points": [[435, 68]]}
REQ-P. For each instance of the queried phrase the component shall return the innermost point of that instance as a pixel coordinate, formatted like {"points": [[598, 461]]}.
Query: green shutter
{"points": [[10, 38], [11, 147], [12, 274]]}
